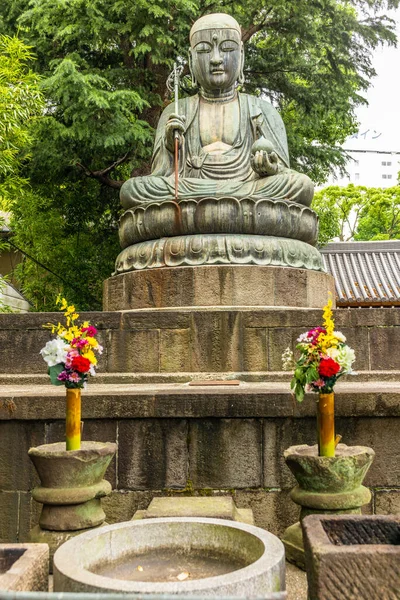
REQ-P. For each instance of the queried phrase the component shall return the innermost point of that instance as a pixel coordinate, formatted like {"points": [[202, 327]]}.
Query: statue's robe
{"points": [[229, 173]]}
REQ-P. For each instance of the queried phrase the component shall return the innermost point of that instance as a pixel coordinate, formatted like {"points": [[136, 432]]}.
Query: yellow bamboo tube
{"points": [[326, 424], [73, 419]]}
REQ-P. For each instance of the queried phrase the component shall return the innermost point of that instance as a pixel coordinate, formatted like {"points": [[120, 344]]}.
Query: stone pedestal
{"points": [[326, 485], [72, 486], [218, 285]]}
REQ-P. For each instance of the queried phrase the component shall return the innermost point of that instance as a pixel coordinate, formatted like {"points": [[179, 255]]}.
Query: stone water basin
{"points": [[184, 556]]}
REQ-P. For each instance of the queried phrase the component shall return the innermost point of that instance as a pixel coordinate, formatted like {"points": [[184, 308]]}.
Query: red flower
{"points": [[80, 364], [328, 367]]}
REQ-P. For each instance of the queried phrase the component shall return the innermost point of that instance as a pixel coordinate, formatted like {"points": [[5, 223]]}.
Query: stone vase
{"points": [[71, 489], [325, 485]]}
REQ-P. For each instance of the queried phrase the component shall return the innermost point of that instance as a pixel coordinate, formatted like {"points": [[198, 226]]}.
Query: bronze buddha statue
{"points": [[238, 200]]}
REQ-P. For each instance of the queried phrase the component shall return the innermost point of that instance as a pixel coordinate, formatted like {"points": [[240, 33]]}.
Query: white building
{"points": [[372, 163]]}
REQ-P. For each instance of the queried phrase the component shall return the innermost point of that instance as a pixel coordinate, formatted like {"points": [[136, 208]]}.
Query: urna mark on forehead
{"points": [[215, 22]]}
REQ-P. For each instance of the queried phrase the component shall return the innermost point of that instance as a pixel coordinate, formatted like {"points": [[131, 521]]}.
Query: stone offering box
{"points": [[352, 557], [24, 567]]}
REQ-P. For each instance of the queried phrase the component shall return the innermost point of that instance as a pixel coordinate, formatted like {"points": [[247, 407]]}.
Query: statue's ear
{"points": [[241, 72], [194, 81]]}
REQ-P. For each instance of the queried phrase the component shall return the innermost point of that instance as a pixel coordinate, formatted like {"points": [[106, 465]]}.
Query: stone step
{"points": [[179, 400], [186, 377]]}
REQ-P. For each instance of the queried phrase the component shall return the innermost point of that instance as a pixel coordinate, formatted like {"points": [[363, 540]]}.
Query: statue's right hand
{"points": [[174, 123]]}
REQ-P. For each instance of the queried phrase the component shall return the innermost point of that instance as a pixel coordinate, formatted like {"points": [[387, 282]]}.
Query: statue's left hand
{"points": [[264, 163]]}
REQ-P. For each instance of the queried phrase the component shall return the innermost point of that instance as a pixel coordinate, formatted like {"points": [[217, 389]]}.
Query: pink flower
{"points": [[74, 377], [70, 356], [319, 383], [79, 343], [90, 331], [314, 334]]}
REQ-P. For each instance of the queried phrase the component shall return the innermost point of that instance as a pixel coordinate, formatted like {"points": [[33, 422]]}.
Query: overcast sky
{"points": [[380, 120]]}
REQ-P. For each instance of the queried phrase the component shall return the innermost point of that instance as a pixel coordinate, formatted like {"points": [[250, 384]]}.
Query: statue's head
{"points": [[216, 52]]}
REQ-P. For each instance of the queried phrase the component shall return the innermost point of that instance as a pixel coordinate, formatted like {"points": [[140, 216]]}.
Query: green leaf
{"points": [[54, 373]]}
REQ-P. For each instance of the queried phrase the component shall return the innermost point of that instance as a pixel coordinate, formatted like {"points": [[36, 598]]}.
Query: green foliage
{"points": [[358, 212], [380, 217], [20, 102], [104, 65]]}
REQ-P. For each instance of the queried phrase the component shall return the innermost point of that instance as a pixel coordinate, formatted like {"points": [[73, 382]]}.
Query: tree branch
{"points": [[248, 33], [103, 175]]}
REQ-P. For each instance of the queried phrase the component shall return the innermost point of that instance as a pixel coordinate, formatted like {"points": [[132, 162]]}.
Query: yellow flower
{"points": [[328, 339], [92, 342], [89, 354]]}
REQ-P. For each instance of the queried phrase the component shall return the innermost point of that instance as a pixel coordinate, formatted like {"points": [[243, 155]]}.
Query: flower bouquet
{"points": [[324, 358], [71, 358]]}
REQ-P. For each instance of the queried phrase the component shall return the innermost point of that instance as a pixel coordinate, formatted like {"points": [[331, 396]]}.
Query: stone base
{"points": [[54, 539], [211, 507], [218, 285]]}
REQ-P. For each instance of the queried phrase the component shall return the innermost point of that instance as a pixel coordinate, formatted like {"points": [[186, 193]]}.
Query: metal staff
{"points": [[173, 86]]}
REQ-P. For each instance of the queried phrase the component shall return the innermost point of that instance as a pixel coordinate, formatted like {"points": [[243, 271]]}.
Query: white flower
{"points": [[339, 336], [92, 370], [303, 337], [55, 352], [333, 353], [345, 358], [287, 360]]}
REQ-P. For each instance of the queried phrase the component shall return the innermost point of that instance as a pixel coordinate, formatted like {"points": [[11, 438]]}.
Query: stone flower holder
{"points": [[352, 556], [72, 486], [326, 485]]}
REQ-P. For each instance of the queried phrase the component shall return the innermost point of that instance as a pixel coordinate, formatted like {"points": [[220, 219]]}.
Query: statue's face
{"points": [[216, 58]]}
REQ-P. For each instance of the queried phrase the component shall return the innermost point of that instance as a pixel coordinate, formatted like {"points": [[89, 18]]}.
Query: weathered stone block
{"points": [[134, 351], [383, 341], [381, 435], [278, 435], [16, 472], [225, 453], [273, 510], [255, 349], [152, 454], [29, 513], [291, 287], [357, 338], [121, 505], [174, 350], [387, 502], [205, 342], [9, 517], [12, 360]]}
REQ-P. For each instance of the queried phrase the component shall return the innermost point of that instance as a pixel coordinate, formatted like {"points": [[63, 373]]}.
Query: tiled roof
{"points": [[366, 273]]}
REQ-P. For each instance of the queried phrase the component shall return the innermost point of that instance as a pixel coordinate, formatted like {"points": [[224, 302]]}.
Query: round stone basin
{"points": [[188, 556]]}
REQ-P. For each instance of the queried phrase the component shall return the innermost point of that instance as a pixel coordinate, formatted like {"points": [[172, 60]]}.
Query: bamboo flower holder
{"points": [[326, 424], [73, 419]]}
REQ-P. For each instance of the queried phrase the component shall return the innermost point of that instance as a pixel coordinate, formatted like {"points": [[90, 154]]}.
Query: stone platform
{"points": [[166, 428], [218, 285]]}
